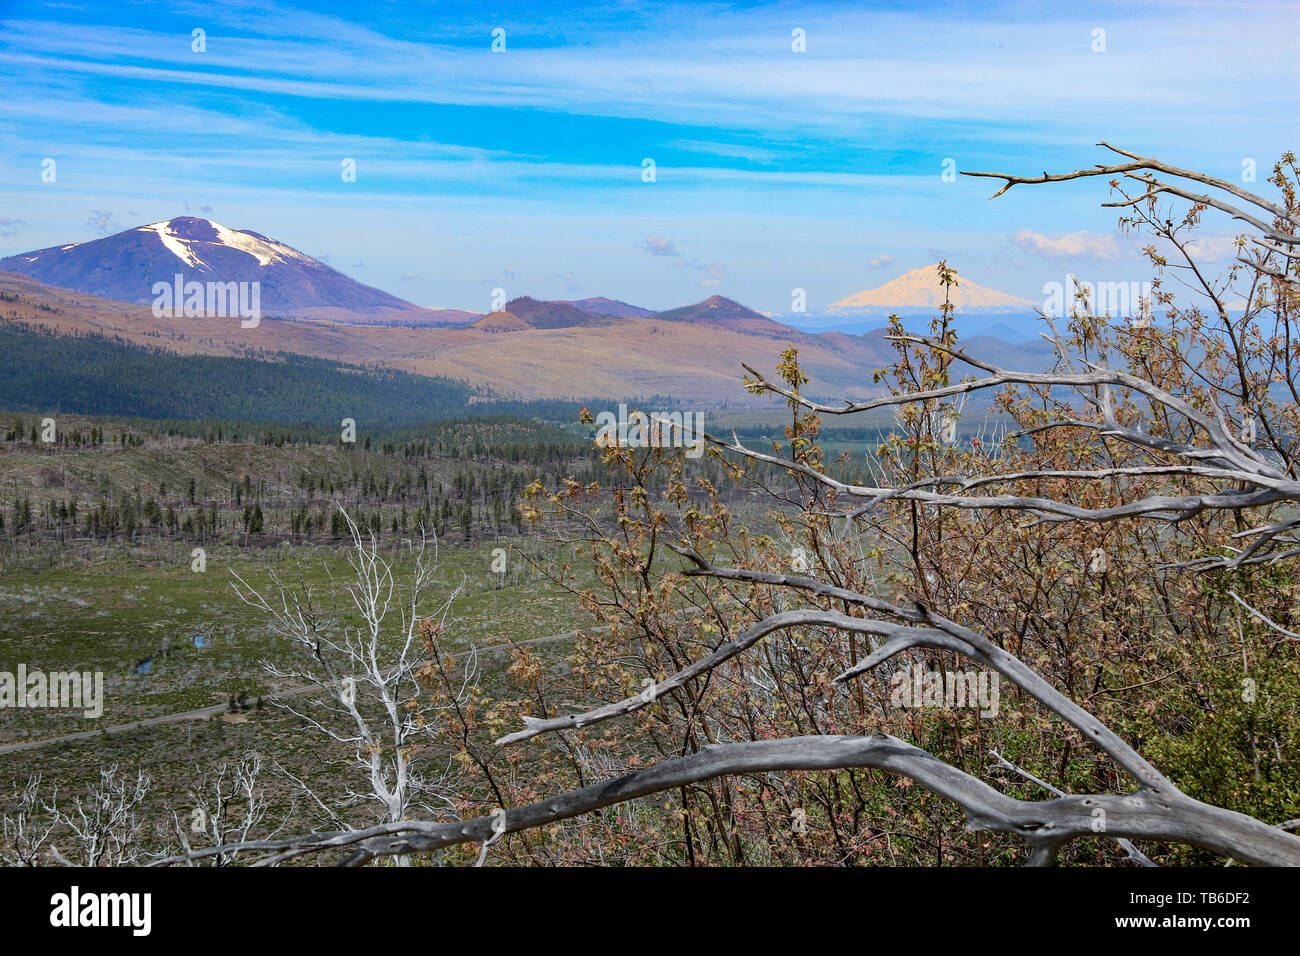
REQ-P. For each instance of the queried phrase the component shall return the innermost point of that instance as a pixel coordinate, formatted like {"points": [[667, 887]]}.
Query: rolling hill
{"points": [[553, 315], [602, 306], [723, 312], [503, 321]]}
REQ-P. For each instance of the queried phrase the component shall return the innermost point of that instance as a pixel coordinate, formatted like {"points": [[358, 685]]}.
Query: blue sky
{"points": [[775, 169]]}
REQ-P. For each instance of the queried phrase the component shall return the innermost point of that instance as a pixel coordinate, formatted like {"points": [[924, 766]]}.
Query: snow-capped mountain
{"points": [[920, 290], [125, 267], [916, 297]]}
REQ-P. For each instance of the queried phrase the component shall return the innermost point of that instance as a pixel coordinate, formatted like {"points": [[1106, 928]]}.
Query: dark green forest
{"points": [[97, 376]]}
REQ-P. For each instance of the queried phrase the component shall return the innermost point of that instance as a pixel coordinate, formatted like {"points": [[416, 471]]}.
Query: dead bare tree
{"points": [[27, 828], [226, 805], [370, 696], [105, 826]]}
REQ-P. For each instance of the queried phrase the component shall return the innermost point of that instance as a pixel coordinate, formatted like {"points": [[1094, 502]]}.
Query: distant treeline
{"points": [[501, 437], [103, 481], [89, 375]]}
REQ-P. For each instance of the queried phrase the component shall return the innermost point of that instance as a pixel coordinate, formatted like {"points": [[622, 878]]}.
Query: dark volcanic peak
{"points": [[599, 305], [715, 308], [195, 230], [552, 315], [721, 311], [125, 267], [500, 322]]}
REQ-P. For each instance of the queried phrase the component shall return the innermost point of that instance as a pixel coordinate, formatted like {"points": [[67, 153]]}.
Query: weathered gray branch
{"points": [[1166, 816], [1155, 186]]}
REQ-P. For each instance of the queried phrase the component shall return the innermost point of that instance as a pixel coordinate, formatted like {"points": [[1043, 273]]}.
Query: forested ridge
{"points": [[89, 375]]}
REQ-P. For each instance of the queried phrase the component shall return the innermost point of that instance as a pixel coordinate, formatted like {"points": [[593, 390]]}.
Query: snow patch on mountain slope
{"points": [[174, 244], [264, 252]]}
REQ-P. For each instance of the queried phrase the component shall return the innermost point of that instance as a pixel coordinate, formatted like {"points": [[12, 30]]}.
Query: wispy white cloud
{"points": [[1076, 245], [104, 223], [1215, 248], [731, 67], [571, 283], [658, 246], [755, 154]]}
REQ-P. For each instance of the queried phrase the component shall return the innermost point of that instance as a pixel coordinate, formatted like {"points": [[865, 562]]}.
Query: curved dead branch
{"points": [[940, 633], [1155, 187], [1165, 815]]}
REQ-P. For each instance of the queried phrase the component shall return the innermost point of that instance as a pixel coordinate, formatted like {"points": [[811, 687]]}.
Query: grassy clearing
{"points": [[112, 615], [108, 615]]}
